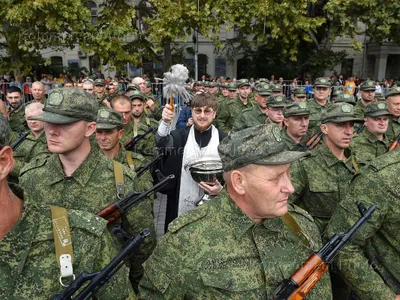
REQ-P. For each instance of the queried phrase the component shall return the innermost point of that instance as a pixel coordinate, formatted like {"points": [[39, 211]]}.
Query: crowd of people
{"points": [[293, 166]]}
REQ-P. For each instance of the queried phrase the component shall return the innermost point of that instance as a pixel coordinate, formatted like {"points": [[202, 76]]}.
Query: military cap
{"points": [[260, 145], [339, 113], [232, 86], [322, 82], [68, 105], [376, 109], [135, 94], [263, 89], [242, 82], [212, 84], [132, 86], [148, 83], [345, 98], [108, 119], [393, 91], [224, 85], [300, 92], [57, 85], [5, 132], [337, 90], [200, 83], [276, 101], [263, 80], [380, 96], [206, 83], [367, 85], [100, 82], [296, 109], [277, 88]]}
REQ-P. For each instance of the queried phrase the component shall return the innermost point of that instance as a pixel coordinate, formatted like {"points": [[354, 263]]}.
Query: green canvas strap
{"points": [[119, 179], [294, 227]]}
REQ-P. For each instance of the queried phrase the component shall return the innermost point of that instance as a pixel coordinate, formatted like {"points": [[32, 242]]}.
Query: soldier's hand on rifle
{"points": [[168, 114], [150, 103]]}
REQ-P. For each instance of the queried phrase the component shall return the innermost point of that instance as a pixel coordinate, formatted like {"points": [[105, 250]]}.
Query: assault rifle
{"points": [[100, 278], [395, 143], [114, 211], [130, 144], [313, 141], [141, 170], [305, 278], [21, 139]]}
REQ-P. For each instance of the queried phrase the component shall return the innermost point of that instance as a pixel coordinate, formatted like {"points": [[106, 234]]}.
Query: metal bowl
{"points": [[206, 169]]}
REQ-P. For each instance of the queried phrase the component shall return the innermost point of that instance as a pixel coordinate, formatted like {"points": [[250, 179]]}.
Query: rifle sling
{"points": [[119, 179], [129, 159], [294, 227]]}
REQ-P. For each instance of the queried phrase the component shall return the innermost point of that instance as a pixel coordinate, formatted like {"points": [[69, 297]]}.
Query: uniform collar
{"points": [[331, 159], [373, 138]]}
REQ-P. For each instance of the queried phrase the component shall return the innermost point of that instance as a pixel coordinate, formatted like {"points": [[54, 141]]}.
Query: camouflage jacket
{"points": [[217, 252], [147, 145], [157, 113], [370, 264], [365, 146], [29, 149], [231, 110], [359, 109], [30, 270], [17, 120], [290, 143], [393, 130], [91, 187], [320, 182], [250, 117], [315, 114]]}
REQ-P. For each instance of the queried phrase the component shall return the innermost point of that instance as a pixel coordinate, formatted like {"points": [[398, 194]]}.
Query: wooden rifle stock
{"points": [[114, 211], [306, 277], [313, 141], [395, 144]]}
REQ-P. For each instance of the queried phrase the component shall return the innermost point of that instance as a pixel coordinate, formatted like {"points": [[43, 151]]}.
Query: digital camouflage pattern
{"points": [[315, 114], [242, 82], [300, 91], [365, 146], [230, 112], [277, 101], [291, 144], [108, 119], [368, 85], [68, 105], [217, 252], [91, 188], [322, 82], [261, 145], [339, 113], [28, 266], [320, 182], [393, 130], [17, 120], [28, 150], [157, 113], [378, 242], [5, 131], [296, 109], [359, 108], [250, 117], [345, 98]]}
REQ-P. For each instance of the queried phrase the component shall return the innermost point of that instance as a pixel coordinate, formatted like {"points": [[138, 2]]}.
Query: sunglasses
{"points": [[207, 111]]}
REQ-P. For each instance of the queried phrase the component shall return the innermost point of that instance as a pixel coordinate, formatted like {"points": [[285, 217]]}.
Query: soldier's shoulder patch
{"points": [[87, 221], [188, 218], [295, 210], [35, 163]]}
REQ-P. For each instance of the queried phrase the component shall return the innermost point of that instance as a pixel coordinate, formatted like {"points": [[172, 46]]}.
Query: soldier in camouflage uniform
{"points": [[379, 97], [367, 93], [213, 88], [299, 94], [336, 91], [370, 264], [321, 180], [16, 112], [257, 114], [34, 144], [393, 101], [237, 246], [135, 123], [341, 97], [295, 132], [77, 176], [276, 104], [100, 93], [321, 90], [277, 89], [231, 110], [30, 270], [372, 141], [153, 106]]}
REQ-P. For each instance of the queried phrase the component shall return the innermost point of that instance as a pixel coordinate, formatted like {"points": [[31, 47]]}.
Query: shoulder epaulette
{"points": [[295, 210], [187, 218]]}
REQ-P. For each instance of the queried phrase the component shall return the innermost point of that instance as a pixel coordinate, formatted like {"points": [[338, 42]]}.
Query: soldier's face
{"points": [[261, 100], [321, 93], [203, 117], [67, 138], [275, 114], [126, 110], [297, 126], [88, 88], [232, 94], [244, 91], [68, 85], [34, 125], [368, 96], [267, 189], [213, 90], [137, 108], [394, 105], [108, 139], [338, 135], [14, 99], [377, 125], [99, 89], [37, 91], [225, 92]]}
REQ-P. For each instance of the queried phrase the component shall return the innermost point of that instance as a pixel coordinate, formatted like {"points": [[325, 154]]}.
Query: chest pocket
{"points": [[323, 197]]}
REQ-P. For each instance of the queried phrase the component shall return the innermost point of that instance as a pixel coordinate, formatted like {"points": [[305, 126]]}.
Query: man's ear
{"points": [[238, 182], [324, 128], [6, 162], [90, 129]]}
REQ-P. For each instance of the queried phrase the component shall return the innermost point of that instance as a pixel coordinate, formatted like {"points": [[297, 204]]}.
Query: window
{"points": [[220, 67], [93, 9]]}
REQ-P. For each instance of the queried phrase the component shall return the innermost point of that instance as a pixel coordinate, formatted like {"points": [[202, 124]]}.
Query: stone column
{"points": [[380, 66]]}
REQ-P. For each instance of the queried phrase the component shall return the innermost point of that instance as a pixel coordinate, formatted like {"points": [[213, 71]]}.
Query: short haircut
{"points": [[34, 106], [204, 99], [68, 81], [14, 89], [121, 99], [38, 83]]}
